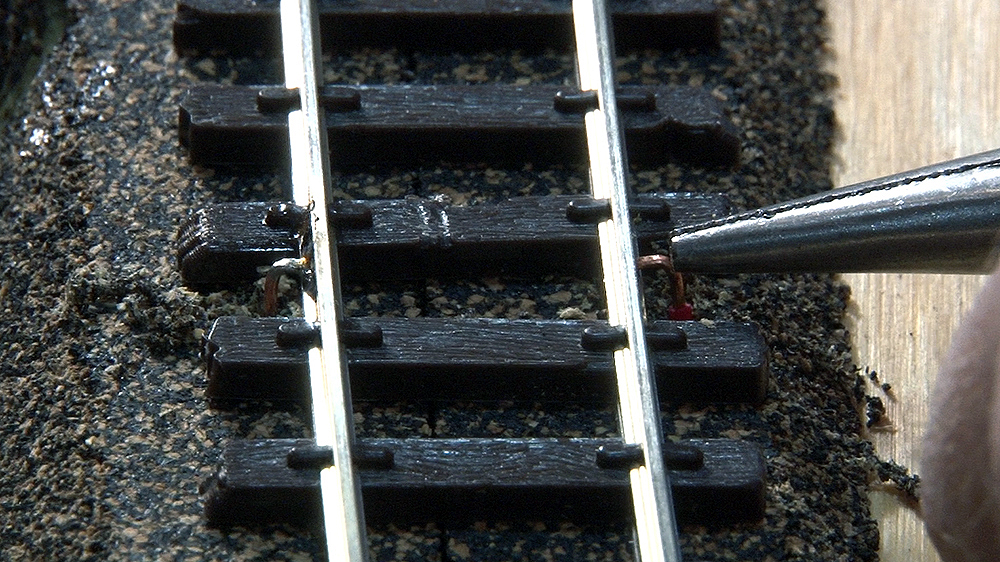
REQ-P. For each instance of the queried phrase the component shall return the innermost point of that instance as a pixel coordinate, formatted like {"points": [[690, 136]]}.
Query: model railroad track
{"points": [[325, 358]]}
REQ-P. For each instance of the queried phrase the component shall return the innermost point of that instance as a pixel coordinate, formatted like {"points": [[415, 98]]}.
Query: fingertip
{"points": [[961, 460]]}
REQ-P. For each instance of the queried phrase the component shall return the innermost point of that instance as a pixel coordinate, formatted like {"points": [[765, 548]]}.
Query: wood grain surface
{"points": [[918, 84]]}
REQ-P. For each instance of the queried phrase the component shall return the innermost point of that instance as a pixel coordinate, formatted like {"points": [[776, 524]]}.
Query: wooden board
{"points": [[918, 84]]}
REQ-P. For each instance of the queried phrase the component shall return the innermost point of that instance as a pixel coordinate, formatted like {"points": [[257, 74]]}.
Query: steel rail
{"points": [[333, 420], [656, 529]]}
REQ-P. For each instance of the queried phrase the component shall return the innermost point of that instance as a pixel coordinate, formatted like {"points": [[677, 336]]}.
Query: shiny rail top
{"points": [[639, 409], [333, 421]]}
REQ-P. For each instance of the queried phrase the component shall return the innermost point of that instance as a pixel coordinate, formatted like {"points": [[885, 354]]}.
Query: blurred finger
{"points": [[960, 491]]}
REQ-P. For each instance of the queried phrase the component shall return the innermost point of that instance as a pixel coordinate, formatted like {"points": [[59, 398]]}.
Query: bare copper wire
{"points": [[664, 263]]}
